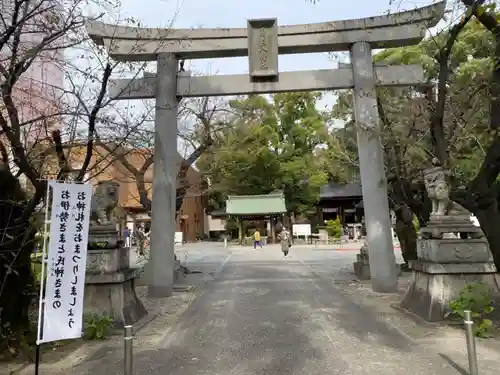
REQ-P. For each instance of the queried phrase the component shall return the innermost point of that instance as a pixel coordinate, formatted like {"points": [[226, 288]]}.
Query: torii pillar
{"points": [[160, 267]]}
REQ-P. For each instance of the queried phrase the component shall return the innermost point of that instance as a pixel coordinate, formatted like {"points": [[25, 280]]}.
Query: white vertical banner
{"points": [[66, 261]]}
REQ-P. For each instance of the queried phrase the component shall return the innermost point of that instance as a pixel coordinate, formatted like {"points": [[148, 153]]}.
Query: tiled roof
{"points": [[341, 190], [216, 213], [256, 204]]}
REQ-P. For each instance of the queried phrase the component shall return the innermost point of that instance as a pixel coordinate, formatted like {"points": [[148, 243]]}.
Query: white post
{"points": [[45, 243], [161, 257], [374, 184]]}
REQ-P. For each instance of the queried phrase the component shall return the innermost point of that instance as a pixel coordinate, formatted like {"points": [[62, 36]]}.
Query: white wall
{"points": [[215, 224]]}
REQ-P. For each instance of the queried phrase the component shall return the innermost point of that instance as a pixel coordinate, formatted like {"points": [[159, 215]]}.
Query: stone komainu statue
{"points": [[437, 189], [104, 202], [436, 184]]}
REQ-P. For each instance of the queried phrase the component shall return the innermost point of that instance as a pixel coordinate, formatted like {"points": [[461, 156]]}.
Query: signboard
{"points": [[143, 217], [179, 237], [65, 261], [301, 229], [263, 48], [330, 209]]}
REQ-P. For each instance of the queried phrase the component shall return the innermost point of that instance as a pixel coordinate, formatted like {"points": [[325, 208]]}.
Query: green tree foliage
{"points": [[273, 145], [466, 115], [461, 111], [16, 277], [409, 117], [341, 154], [456, 121], [334, 228]]}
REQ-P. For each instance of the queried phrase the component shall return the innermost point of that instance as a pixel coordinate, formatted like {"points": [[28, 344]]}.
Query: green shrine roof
{"points": [[273, 203]]}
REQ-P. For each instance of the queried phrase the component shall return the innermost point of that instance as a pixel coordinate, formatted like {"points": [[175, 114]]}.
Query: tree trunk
{"points": [[481, 195], [241, 229], [289, 225], [182, 180], [275, 230], [406, 233], [17, 283], [424, 211], [183, 183], [489, 219]]}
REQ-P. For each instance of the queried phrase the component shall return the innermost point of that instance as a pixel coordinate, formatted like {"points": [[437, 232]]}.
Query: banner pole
{"points": [[37, 359], [41, 302]]}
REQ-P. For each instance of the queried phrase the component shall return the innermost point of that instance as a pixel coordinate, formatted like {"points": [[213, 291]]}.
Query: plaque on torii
{"points": [[263, 49]]}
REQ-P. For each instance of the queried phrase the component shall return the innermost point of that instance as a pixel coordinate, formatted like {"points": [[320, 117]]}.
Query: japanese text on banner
{"points": [[67, 258]]}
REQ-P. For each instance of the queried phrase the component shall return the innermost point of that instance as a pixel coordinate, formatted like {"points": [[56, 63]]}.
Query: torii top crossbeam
{"points": [[144, 44]]}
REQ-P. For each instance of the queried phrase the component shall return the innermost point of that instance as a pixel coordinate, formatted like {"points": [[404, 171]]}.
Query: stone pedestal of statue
{"points": [[109, 280], [451, 253], [446, 263]]}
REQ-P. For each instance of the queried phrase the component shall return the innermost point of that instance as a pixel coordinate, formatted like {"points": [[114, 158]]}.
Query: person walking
{"points": [[256, 239], [126, 236], [141, 240], [285, 241]]}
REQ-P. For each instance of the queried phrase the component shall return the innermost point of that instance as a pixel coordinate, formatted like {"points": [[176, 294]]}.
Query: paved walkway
{"points": [[266, 314]]}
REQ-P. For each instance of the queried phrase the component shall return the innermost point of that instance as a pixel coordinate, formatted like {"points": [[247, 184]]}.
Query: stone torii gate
{"points": [[263, 41]]}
